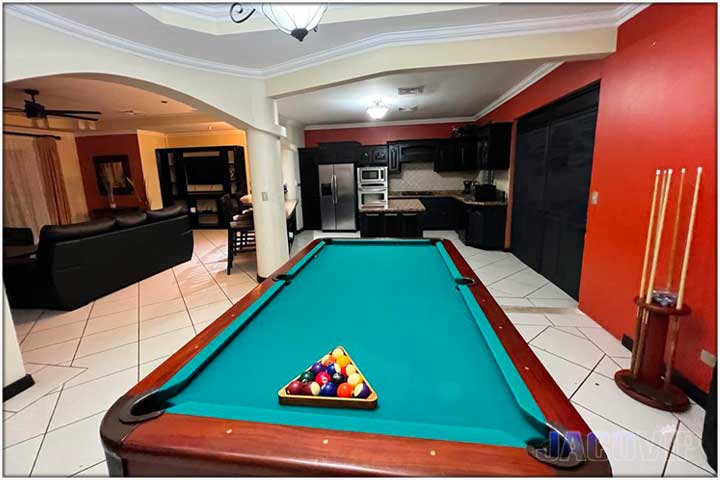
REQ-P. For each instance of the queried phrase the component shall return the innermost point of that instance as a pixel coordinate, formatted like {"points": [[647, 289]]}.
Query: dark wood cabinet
{"points": [[483, 226], [441, 213], [393, 158], [373, 155], [391, 224], [310, 188], [493, 148], [490, 150], [338, 152]]}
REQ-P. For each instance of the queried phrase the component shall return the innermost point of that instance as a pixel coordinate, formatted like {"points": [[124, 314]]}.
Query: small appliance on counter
{"points": [[467, 187], [486, 192]]}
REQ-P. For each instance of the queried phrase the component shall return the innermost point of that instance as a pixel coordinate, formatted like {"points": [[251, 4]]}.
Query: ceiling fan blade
{"points": [[87, 112], [66, 115], [13, 109]]}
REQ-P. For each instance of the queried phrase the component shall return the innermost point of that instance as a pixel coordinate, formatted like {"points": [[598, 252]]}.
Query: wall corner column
{"points": [[268, 201]]}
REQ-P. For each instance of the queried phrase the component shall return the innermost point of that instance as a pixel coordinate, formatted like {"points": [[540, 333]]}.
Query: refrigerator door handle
{"points": [[334, 189]]}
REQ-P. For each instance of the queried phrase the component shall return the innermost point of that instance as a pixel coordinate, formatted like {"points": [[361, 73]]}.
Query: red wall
{"points": [[379, 135], [89, 147], [657, 110]]}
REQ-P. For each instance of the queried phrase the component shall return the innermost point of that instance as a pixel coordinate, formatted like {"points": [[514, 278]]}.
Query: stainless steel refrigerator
{"points": [[337, 196]]}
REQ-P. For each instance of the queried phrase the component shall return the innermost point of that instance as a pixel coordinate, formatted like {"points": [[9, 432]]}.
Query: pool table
{"points": [[459, 391]]}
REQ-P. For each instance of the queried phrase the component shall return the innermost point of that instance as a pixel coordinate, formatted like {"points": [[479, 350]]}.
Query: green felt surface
{"points": [[424, 345]]}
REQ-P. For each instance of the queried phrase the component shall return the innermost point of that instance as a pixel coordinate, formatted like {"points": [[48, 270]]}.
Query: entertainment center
{"points": [[196, 177]]}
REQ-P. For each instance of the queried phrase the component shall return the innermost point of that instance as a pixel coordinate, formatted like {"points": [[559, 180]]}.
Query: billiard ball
{"points": [[354, 379], [307, 377], [332, 368], [344, 390], [338, 352], [361, 390], [328, 390], [328, 360], [311, 389], [338, 378], [295, 388], [317, 367], [348, 370], [322, 378], [342, 360]]}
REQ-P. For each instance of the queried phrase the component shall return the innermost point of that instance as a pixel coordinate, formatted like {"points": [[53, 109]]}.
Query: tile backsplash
{"points": [[420, 176]]}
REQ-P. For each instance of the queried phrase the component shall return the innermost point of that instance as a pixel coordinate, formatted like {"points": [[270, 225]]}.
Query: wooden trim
{"points": [[182, 445]]}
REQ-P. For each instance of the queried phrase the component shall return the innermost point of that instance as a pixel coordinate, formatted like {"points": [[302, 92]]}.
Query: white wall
{"points": [[13, 366]]}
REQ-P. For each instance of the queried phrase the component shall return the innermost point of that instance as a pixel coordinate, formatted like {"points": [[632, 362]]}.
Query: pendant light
{"points": [[295, 19]]}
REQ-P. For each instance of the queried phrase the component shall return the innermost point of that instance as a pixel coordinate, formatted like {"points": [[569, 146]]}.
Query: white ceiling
{"points": [[457, 92], [112, 99], [130, 23]]}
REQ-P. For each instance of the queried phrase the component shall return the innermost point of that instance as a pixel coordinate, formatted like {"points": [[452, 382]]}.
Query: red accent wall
{"points": [[657, 110], [379, 135], [89, 147]]}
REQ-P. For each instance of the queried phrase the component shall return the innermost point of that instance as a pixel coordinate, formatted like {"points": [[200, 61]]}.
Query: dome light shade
{"points": [[377, 110], [295, 19]]}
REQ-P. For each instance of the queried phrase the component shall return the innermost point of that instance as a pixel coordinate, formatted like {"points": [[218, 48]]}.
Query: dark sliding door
{"points": [[553, 164]]}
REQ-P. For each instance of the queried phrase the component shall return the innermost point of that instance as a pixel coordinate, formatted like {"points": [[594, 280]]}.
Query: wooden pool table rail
{"points": [[177, 445]]}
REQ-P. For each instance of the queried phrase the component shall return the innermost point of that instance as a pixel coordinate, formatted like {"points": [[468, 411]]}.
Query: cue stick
{"points": [[673, 242], [664, 194], [638, 317], [675, 323]]}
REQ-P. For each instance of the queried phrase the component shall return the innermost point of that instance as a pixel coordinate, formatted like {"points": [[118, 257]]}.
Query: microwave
{"points": [[376, 176]]}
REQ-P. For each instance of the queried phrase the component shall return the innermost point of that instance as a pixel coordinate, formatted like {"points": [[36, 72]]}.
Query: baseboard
{"points": [[690, 389], [18, 386], [260, 279]]}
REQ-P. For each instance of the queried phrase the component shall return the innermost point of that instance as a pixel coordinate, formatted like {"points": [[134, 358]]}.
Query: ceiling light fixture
{"points": [[294, 19], [377, 110]]}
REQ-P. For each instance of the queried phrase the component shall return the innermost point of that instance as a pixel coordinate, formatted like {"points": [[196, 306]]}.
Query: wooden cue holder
{"points": [[650, 386]]}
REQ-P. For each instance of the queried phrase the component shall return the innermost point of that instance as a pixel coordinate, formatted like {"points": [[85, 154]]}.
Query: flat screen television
{"points": [[205, 170]]}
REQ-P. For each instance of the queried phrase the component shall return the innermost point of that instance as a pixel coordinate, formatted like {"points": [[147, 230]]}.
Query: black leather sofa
{"points": [[78, 263]]}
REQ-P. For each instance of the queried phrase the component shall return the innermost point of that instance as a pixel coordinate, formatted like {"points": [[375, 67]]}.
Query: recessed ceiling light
{"points": [[411, 90], [130, 112], [377, 110], [163, 101]]}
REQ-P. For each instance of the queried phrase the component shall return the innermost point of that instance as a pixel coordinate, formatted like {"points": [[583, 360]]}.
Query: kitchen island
{"points": [[400, 218]]}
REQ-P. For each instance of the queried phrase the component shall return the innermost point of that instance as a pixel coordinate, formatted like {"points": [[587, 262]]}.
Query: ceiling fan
{"points": [[34, 109]]}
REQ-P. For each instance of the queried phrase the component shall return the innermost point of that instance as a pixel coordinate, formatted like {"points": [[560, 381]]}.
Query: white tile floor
{"points": [[85, 359]]}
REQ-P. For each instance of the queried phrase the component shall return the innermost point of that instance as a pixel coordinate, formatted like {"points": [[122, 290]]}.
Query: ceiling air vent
{"points": [[411, 90], [408, 109]]}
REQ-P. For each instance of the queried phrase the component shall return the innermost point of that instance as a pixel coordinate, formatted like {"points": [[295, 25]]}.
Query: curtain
{"points": [[24, 198], [51, 171]]}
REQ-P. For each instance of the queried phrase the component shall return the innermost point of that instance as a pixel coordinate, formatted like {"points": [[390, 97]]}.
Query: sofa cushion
{"points": [[131, 219], [59, 233], [167, 212]]}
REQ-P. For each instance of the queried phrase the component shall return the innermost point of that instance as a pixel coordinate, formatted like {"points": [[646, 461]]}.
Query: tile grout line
{"points": [[592, 370], [672, 442], [187, 310], [86, 469], [545, 327], [44, 435], [82, 334]]}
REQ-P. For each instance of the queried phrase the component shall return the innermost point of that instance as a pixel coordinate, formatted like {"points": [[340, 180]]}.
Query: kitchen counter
{"points": [[397, 205], [467, 199]]}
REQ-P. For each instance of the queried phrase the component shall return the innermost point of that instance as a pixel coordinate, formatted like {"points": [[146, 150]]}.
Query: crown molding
{"points": [[104, 133], [426, 121], [586, 21], [197, 133], [536, 75], [61, 24]]}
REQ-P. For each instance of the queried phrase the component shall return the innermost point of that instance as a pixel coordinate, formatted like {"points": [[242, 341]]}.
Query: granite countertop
{"points": [[467, 199], [396, 205]]}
